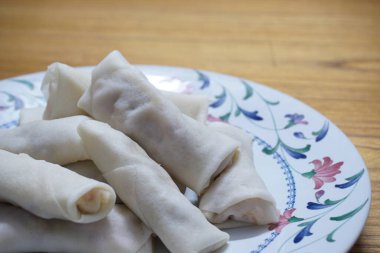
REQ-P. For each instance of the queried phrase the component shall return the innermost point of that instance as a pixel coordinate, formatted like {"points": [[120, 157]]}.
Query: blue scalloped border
{"points": [[291, 197]]}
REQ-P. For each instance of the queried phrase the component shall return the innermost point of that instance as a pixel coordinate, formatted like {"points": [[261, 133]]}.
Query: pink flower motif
{"points": [[189, 89], [211, 118], [284, 220], [319, 194], [323, 172]]}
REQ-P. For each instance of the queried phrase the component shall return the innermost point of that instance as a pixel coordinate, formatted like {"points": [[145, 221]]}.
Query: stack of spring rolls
{"points": [[102, 168]]}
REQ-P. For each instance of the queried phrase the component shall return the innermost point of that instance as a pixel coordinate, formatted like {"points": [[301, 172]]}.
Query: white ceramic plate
{"points": [[318, 178]]}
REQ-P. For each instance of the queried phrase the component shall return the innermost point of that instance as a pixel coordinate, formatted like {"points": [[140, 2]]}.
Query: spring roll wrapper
{"points": [[51, 191], [56, 141], [89, 169], [120, 232], [122, 96], [147, 189], [193, 105], [239, 193], [30, 114], [63, 85]]}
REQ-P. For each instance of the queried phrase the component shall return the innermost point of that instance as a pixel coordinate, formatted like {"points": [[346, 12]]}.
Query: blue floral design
{"points": [[295, 119], [320, 175], [204, 79]]}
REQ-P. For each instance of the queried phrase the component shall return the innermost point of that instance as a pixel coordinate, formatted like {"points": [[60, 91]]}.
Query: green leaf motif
{"points": [[309, 174], [289, 125], [248, 90], [271, 102], [300, 150], [225, 117], [270, 151], [329, 237], [237, 112], [355, 176], [221, 95], [30, 85], [349, 214], [315, 133], [295, 219], [304, 224], [332, 202]]}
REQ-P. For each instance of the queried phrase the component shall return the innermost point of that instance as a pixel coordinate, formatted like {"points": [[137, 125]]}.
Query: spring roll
{"points": [[51, 191], [87, 169], [193, 105], [147, 189], [121, 96], [63, 85], [31, 114], [56, 141], [239, 193], [120, 232]]}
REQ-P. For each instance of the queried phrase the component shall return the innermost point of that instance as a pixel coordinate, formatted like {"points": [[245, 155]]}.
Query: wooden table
{"points": [[324, 52]]}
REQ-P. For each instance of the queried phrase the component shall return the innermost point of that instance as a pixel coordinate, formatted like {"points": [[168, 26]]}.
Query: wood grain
{"points": [[323, 52]]}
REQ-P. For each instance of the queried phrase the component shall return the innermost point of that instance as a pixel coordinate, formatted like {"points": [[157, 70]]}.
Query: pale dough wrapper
{"points": [[121, 96], [30, 114], [51, 191], [63, 85], [238, 193], [147, 189], [88, 169], [56, 141], [193, 105], [120, 232]]}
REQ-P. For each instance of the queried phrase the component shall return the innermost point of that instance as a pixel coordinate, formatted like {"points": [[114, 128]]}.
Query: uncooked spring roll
{"points": [[193, 105], [147, 189], [55, 141], [87, 169], [238, 193], [120, 232], [30, 114], [122, 96], [63, 85], [51, 191]]}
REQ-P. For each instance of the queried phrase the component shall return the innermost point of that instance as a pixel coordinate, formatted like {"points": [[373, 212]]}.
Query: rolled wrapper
{"points": [[30, 114], [51, 191], [120, 232], [147, 189], [193, 105], [63, 85], [56, 141], [89, 169], [238, 193], [122, 96]]}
